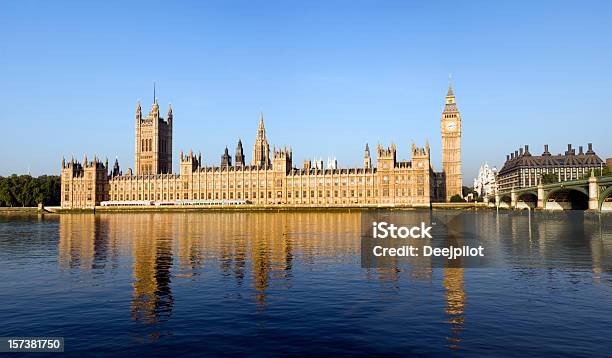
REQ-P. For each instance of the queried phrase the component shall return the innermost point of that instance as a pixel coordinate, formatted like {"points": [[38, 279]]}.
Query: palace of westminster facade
{"points": [[270, 178]]}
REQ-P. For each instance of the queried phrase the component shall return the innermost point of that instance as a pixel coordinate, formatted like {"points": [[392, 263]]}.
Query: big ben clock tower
{"points": [[451, 146]]}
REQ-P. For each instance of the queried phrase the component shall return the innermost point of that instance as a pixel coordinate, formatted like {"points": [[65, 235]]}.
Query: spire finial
{"points": [[450, 86], [154, 96], [261, 123]]}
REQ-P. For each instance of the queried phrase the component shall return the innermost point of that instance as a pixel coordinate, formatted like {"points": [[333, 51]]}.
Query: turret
{"points": [[386, 157], [169, 115], [283, 159], [421, 168], [116, 171], [138, 113], [189, 163], [226, 159], [367, 159], [332, 163], [239, 157]]}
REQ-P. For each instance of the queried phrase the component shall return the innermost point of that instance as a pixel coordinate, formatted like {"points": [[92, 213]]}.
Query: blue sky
{"points": [[328, 75]]}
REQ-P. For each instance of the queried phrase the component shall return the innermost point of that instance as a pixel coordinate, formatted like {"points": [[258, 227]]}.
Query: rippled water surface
{"points": [[291, 283]]}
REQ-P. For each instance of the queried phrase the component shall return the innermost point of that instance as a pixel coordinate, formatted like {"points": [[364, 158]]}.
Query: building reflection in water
{"points": [[454, 285], [256, 250], [152, 298], [84, 243]]}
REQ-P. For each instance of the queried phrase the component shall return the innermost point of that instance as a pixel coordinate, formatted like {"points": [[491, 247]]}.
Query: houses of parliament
{"points": [[271, 178]]}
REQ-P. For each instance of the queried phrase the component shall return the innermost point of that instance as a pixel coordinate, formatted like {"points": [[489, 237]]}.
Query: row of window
{"points": [[268, 195], [80, 186], [263, 184]]}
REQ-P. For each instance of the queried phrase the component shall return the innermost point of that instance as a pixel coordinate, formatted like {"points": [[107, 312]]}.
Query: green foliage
{"points": [[457, 199], [598, 173], [24, 190], [549, 178]]}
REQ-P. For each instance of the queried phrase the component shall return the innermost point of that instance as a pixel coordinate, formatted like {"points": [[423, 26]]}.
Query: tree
{"points": [[466, 191], [457, 199], [24, 190], [605, 171], [549, 178]]}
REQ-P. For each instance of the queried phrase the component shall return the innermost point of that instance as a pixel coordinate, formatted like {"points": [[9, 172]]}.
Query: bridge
{"points": [[593, 194]]}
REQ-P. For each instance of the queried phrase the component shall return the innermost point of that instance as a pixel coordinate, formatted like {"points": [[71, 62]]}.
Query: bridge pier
{"points": [[513, 199], [593, 193], [540, 196], [497, 199]]}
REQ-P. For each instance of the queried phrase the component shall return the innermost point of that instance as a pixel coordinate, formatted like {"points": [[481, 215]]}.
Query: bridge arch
{"points": [[505, 201], [528, 198], [567, 198], [602, 197]]}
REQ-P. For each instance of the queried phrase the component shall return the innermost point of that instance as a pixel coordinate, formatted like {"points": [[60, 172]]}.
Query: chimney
{"points": [[545, 148], [580, 150], [516, 153], [590, 151], [569, 149], [527, 150], [511, 155], [521, 151], [507, 157]]}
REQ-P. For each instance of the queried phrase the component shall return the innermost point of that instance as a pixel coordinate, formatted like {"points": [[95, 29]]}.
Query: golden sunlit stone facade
{"points": [[153, 144], [391, 182], [272, 178], [84, 185], [451, 146]]}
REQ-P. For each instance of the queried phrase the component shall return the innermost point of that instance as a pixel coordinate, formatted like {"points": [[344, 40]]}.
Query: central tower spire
{"points": [[261, 149]]}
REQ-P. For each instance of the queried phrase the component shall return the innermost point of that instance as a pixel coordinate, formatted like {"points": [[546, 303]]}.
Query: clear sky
{"points": [[328, 75]]}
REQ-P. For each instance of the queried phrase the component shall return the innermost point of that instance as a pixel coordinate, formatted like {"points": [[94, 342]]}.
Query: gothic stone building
{"points": [[84, 185], [522, 169], [271, 177]]}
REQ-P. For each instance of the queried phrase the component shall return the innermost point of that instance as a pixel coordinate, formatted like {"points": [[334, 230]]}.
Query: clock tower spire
{"points": [[451, 145]]}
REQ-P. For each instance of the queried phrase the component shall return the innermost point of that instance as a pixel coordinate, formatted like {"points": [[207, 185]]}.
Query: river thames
{"points": [[291, 283]]}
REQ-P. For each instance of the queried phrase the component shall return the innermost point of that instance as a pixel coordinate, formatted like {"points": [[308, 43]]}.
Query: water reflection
{"points": [[164, 247], [152, 298], [453, 282], [254, 256]]}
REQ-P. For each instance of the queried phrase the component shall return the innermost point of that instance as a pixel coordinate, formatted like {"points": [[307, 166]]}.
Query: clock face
{"points": [[451, 126]]}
